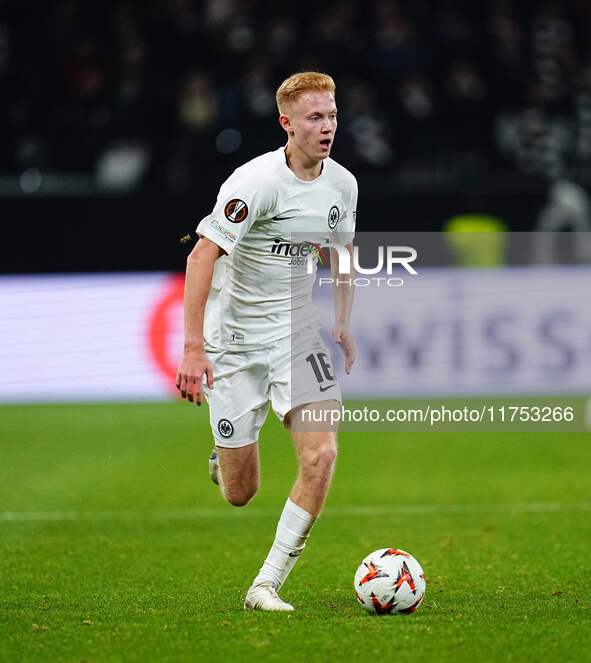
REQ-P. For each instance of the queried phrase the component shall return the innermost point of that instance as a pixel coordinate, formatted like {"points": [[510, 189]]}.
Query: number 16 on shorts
{"points": [[322, 369]]}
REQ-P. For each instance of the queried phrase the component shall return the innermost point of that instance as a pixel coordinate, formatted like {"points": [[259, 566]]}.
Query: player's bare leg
{"points": [[239, 473], [317, 451]]}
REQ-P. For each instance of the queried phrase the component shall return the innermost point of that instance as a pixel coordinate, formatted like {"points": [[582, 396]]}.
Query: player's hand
{"points": [[189, 378], [344, 339]]}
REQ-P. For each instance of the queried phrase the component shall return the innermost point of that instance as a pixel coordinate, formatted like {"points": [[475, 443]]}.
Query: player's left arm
{"points": [[342, 289]]}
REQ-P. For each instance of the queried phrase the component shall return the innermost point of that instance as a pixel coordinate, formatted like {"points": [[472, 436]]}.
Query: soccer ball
{"points": [[390, 581]]}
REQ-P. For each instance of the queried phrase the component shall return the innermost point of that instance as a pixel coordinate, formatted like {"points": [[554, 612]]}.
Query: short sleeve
{"points": [[345, 230], [351, 216], [241, 201]]}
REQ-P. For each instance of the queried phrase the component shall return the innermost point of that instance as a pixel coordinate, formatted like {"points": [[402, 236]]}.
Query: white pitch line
{"points": [[377, 510]]}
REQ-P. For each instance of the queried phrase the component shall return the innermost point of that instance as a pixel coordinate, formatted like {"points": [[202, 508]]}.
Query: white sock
{"points": [[290, 540]]}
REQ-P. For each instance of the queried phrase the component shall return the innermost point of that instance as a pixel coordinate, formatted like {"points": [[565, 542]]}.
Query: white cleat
{"points": [[214, 467], [264, 597]]}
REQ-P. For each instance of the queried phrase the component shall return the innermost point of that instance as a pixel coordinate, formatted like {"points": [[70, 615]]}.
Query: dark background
{"points": [[119, 120]]}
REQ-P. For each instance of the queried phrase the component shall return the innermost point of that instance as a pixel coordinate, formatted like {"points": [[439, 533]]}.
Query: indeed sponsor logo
{"points": [[299, 252], [223, 231]]}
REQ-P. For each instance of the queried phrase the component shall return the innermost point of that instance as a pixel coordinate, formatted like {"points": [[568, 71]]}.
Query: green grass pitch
{"points": [[115, 546]]}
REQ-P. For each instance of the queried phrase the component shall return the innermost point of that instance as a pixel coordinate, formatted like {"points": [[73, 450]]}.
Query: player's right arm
{"points": [[194, 363]]}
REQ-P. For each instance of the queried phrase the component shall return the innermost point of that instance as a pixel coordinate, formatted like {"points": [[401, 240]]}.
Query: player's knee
{"points": [[321, 459], [238, 500], [328, 456], [240, 495]]}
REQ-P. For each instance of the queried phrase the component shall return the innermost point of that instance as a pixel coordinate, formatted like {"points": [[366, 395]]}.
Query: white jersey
{"points": [[269, 222]]}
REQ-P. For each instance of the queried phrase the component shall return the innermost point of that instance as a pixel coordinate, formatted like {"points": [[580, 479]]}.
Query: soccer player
{"points": [[248, 329]]}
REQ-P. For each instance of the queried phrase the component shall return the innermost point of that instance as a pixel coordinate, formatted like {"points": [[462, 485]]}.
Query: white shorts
{"points": [[245, 383]]}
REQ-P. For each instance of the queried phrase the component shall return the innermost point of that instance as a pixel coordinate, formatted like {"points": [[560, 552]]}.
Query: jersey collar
{"points": [[294, 175]]}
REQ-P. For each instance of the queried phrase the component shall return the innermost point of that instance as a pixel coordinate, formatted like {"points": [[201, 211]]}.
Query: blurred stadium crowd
{"points": [[163, 90]]}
